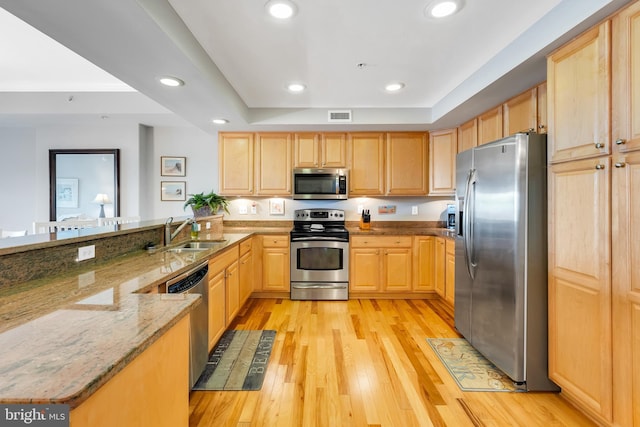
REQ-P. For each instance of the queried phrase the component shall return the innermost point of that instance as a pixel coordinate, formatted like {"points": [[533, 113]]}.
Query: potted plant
{"points": [[206, 204]]}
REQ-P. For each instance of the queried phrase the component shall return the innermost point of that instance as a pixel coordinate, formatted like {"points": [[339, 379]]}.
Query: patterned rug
{"points": [[238, 361], [468, 367]]}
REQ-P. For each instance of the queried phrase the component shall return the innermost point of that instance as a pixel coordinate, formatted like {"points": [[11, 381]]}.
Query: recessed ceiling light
{"points": [[281, 9], [171, 81], [296, 87], [394, 87], [443, 8], [220, 121]]}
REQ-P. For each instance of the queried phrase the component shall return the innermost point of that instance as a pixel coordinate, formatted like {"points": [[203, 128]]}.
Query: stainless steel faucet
{"points": [[168, 236]]}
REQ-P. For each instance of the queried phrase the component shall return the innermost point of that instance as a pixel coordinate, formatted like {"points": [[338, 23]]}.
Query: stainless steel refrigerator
{"points": [[501, 256]]}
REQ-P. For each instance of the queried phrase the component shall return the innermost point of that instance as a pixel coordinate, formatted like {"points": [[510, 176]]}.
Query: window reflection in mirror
{"points": [[82, 183]]}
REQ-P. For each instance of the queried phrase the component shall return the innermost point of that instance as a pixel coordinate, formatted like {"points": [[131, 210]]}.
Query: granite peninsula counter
{"points": [[63, 337]]}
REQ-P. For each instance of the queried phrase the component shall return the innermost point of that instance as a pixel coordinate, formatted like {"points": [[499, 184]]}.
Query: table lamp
{"points": [[102, 199]]}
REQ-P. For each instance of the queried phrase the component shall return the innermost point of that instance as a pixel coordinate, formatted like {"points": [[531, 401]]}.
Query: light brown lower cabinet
{"points": [[217, 322], [140, 393], [450, 271], [245, 270], [380, 264], [224, 292], [580, 352], [275, 263], [439, 270], [424, 263]]}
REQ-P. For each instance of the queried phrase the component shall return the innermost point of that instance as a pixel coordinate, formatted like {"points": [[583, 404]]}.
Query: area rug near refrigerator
{"points": [[470, 370], [238, 361]]}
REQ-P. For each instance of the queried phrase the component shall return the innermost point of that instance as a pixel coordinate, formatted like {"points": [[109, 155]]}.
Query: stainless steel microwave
{"points": [[320, 184]]}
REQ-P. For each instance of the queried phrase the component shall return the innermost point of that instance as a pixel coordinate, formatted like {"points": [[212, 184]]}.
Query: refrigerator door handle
{"points": [[468, 223]]}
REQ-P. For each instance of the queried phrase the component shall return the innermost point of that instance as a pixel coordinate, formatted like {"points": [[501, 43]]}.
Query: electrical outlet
{"points": [[414, 210], [242, 210], [360, 209], [86, 252], [207, 225], [254, 209]]}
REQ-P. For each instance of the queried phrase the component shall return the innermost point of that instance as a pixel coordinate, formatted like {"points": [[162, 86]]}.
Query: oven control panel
{"points": [[319, 214]]}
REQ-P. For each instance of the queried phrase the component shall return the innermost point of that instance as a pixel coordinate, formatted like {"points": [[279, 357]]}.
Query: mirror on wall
{"points": [[83, 184]]}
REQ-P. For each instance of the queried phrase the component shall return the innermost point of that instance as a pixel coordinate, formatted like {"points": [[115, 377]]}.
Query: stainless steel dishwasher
{"points": [[195, 282]]}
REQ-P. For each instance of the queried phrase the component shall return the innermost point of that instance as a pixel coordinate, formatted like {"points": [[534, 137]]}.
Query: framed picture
{"points": [[276, 207], [173, 166], [67, 192], [173, 190]]}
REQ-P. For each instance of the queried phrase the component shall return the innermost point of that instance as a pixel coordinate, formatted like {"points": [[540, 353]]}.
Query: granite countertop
{"points": [[63, 337]]}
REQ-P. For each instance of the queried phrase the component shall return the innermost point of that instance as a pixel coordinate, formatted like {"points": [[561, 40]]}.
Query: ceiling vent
{"points": [[339, 116]]}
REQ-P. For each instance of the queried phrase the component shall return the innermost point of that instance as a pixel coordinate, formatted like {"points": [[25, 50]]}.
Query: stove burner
{"points": [[328, 223]]}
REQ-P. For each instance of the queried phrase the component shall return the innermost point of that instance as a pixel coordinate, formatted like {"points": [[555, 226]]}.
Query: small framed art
{"points": [[276, 207], [67, 192], [173, 190], [173, 166]]}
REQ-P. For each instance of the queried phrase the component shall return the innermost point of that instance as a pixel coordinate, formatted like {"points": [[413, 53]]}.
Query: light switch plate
{"points": [[86, 252]]}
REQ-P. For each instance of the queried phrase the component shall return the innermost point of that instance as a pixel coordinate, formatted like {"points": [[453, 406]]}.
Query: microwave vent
{"points": [[340, 116]]}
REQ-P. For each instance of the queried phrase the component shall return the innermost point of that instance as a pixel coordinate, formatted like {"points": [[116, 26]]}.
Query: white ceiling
{"points": [[236, 60]]}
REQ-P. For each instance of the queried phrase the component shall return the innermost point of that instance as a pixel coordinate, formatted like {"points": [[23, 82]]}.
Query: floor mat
{"points": [[238, 361], [468, 367]]}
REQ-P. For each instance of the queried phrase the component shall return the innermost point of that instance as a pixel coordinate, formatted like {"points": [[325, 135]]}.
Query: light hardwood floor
{"points": [[365, 363]]}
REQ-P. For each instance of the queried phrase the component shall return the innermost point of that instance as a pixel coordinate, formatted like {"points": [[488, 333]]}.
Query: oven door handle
{"points": [[318, 238]]}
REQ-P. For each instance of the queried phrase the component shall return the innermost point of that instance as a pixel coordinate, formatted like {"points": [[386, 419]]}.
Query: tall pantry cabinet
{"points": [[594, 219], [626, 215]]}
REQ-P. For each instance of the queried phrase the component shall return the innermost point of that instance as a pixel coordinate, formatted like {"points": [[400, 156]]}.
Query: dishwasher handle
{"points": [[188, 280]]}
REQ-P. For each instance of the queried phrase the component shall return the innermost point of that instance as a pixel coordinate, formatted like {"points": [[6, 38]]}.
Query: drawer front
{"points": [[381, 241], [275, 241], [223, 260], [245, 246]]}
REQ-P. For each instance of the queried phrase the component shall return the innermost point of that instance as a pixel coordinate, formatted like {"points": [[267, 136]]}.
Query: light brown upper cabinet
{"points": [[306, 150], [314, 150], [490, 125], [468, 135], [407, 163], [626, 84], [274, 160], [235, 151], [255, 163], [520, 113], [442, 159], [542, 108], [366, 163], [578, 80]]}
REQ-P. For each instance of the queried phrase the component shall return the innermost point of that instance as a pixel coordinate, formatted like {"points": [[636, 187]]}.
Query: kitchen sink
{"points": [[203, 245], [197, 246]]}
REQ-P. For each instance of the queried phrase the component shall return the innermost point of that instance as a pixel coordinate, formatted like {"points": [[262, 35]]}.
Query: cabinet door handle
{"points": [[620, 141], [540, 126], [599, 167], [599, 145], [620, 164]]}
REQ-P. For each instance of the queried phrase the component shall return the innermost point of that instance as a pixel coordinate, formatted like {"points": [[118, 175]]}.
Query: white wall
{"points": [[18, 176], [201, 152], [25, 195]]}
